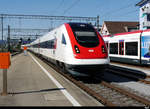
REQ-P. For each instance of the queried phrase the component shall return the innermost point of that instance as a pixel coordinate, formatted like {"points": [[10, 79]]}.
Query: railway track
{"points": [[104, 92], [117, 96], [132, 74]]}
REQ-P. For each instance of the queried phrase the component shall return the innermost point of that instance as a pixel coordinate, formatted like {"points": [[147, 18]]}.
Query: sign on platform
{"points": [[25, 48], [4, 60]]}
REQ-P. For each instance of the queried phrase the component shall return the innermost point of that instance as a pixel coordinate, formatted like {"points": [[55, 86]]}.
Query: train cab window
{"points": [[132, 48], [85, 34], [121, 47], [63, 41], [113, 48]]}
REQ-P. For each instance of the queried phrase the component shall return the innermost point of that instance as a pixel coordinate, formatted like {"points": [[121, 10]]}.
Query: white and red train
{"points": [[130, 47], [75, 47]]}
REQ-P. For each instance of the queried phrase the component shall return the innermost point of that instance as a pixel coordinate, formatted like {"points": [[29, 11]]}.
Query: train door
{"points": [[121, 47]]}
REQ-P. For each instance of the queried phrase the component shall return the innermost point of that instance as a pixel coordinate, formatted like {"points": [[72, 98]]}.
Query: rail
{"points": [[103, 99]]}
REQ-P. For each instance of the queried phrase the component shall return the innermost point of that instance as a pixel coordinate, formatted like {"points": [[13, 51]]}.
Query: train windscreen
{"points": [[85, 34]]}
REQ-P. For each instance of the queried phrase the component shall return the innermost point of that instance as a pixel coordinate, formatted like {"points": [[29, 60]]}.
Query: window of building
{"points": [[148, 17], [132, 48], [113, 48]]}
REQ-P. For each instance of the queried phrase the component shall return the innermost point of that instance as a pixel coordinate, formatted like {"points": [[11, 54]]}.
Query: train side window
{"points": [[113, 48], [63, 41], [42, 45], [132, 48], [48, 44], [51, 44]]}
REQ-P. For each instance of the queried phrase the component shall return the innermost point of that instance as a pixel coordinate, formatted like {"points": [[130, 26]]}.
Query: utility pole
{"points": [[2, 31], [8, 39], [98, 22]]}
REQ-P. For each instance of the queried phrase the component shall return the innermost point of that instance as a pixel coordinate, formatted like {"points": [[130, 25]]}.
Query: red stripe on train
{"points": [[86, 53]]}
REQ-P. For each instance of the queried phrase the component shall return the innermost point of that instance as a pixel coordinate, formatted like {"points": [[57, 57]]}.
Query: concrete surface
{"points": [[142, 70], [28, 85]]}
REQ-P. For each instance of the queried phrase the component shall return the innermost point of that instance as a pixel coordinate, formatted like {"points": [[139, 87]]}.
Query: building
{"points": [[113, 27], [144, 16]]}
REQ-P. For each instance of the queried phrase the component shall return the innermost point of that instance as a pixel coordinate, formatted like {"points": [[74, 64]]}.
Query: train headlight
{"points": [[77, 49], [103, 49]]}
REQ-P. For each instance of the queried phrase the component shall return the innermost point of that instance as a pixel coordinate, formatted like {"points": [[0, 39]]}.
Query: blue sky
{"points": [[117, 10], [108, 10]]}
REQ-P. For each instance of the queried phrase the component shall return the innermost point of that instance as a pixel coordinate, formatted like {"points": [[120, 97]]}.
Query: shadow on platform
{"points": [[39, 91]]}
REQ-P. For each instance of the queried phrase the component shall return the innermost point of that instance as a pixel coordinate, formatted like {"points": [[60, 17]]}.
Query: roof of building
{"points": [[142, 2], [114, 27]]}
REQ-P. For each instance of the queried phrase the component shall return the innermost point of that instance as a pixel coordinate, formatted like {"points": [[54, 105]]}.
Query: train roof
{"points": [[78, 24], [126, 33]]}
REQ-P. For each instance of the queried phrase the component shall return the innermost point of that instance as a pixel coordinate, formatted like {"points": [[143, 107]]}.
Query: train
{"points": [[76, 48], [129, 47]]}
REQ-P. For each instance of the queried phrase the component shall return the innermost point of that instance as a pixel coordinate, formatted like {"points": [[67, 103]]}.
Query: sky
{"points": [[108, 10], [112, 10]]}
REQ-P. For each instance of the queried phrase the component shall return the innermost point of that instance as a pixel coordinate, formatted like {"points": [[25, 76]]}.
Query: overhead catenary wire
{"points": [[124, 15], [71, 6], [127, 13], [20, 17], [58, 7], [44, 17], [117, 10]]}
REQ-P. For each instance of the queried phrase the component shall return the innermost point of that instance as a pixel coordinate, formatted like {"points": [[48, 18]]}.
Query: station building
{"points": [[114, 27], [144, 15]]}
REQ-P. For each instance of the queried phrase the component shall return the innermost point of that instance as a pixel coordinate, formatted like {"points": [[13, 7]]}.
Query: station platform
{"points": [[144, 70], [31, 82]]}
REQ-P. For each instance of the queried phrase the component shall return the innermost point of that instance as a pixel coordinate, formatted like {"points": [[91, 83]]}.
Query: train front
{"points": [[89, 51]]}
